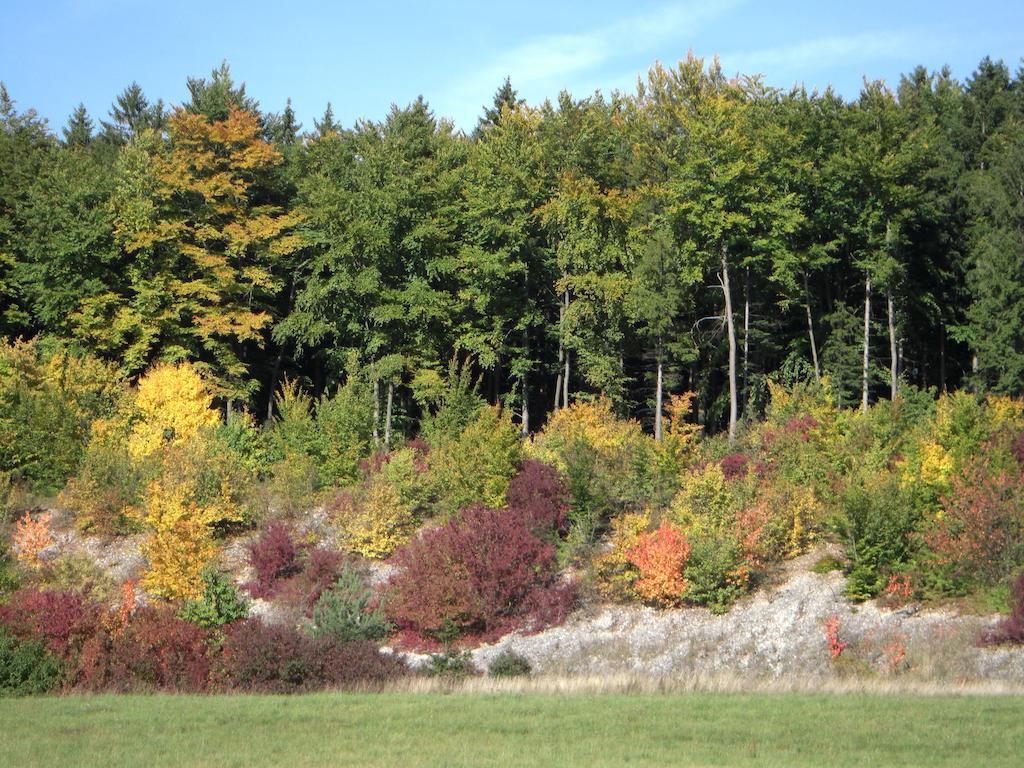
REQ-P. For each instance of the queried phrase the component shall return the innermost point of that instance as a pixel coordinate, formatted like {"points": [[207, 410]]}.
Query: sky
{"points": [[363, 57]]}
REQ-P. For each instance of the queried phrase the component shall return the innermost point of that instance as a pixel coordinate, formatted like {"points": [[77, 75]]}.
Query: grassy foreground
{"points": [[465, 729]]}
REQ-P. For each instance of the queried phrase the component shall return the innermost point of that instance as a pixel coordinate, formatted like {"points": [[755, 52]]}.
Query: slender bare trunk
{"points": [[942, 360], [376, 412], [810, 330], [867, 330], [893, 356], [657, 399], [730, 325], [388, 414], [525, 420], [746, 342], [568, 354]]}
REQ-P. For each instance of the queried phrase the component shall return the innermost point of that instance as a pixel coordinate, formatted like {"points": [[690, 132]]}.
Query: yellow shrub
{"points": [[704, 500], [476, 468], [594, 423], [173, 404], [614, 573], [198, 487], [374, 520]]}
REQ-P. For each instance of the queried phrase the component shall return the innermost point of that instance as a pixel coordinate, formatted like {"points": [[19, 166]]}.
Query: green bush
{"points": [[715, 572], [220, 604], [508, 663], [451, 664], [77, 572], [346, 612], [26, 668], [476, 467], [876, 526]]}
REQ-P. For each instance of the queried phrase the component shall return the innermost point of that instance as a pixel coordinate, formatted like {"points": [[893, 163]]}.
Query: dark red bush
{"points": [[153, 651], [538, 494], [482, 574], [734, 466], [62, 621], [280, 659], [274, 558], [319, 572], [1010, 629]]}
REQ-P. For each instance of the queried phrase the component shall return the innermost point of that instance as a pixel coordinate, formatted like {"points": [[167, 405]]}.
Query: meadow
{"points": [[524, 729]]}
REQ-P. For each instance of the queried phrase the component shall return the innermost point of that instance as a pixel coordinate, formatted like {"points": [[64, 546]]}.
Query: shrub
{"points": [[716, 573], [346, 611], [660, 557], [454, 665], [26, 668], [616, 574], [381, 513], [293, 484], [476, 467], [173, 404], [482, 573], [280, 659], [180, 544], [539, 495], [979, 534], [220, 603], [62, 621], [1011, 628], [320, 571], [450, 403], [9, 580], [107, 486], [32, 535], [508, 663], [876, 526], [150, 650], [47, 402], [273, 558], [77, 572]]}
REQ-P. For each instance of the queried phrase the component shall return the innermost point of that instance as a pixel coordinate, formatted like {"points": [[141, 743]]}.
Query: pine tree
{"points": [[78, 131]]}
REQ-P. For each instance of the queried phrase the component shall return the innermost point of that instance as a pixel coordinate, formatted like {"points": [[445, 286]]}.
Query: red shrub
{"points": [[661, 557], [835, 645], [981, 530], [274, 558], [734, 466], [154, 651], [280, 659], [63, 621], [1010, 629], [538, 494], [320, 571], [484, 573]]}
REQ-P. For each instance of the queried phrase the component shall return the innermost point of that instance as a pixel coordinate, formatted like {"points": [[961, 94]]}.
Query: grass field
{"points": [[472, 729]]}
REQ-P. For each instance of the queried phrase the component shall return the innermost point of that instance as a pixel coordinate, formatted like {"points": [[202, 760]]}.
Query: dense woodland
{"points": [[703, 233]]}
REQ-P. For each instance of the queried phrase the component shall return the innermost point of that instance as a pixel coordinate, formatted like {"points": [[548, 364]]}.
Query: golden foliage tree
{"points": [[205, 249]]}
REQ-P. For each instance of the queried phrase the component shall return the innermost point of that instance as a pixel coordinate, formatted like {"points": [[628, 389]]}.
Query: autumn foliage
{"points": [[31, 537], [661, 556]]}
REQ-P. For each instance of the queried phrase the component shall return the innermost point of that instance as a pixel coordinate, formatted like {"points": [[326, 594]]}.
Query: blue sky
{"points": [[363, 57]]}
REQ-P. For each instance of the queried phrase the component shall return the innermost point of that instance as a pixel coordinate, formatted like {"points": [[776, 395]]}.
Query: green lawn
{"points": [[465, 729]]}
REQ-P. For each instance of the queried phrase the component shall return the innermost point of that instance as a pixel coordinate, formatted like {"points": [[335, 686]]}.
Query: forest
{"points": [[270, 398], [703, 234]]}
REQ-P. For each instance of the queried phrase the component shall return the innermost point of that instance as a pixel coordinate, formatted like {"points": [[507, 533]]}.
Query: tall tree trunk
{"points": [[387, 422], [376, 412], [733, 410], [525, 419], [657, 398], [893, 356], [810, 330], [568, 354], [942, 359], [867, 331], [746, 341]]}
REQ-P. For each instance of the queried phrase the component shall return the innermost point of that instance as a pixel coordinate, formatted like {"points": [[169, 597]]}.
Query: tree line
{"points": [[701, 233]]}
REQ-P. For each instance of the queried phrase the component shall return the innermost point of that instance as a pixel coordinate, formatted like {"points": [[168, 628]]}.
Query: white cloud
{"points": [[543, 66]]}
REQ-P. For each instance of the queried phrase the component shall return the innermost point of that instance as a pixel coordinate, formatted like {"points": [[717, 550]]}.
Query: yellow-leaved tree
{"points": [[173, 404]]}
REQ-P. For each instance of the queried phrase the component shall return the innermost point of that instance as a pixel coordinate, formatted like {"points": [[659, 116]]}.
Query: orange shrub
{"points": [[31, 537], [661, 556]]}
